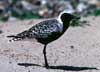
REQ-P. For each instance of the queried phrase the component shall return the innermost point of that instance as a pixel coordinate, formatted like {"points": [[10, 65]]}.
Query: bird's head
{"points": [[66, 17]]}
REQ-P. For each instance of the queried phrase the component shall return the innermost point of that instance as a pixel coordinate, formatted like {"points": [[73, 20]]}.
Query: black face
{"points": [[67, 17]]}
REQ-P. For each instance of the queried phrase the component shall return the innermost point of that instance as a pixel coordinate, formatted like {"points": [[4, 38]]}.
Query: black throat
{"points": [[65, 26], [66, 18]]}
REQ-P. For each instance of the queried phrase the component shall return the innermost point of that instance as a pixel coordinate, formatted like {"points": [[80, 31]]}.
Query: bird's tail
{"points": [[19, 36]]}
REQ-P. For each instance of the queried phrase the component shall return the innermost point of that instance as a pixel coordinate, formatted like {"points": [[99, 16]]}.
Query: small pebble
{"points": [[72, 47]]}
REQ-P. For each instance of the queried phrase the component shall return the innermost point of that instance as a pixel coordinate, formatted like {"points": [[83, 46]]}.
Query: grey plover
{"points": [[46, 31]]}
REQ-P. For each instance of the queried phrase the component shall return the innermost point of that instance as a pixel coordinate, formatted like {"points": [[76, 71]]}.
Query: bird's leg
{"points": [[45, 58]]}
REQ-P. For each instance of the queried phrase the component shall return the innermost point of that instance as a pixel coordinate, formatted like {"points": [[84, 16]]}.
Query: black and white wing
{"points": [[45, 29]]}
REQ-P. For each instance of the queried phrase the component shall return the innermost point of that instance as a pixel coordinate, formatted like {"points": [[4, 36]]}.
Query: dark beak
{"points": [[76, 17]]}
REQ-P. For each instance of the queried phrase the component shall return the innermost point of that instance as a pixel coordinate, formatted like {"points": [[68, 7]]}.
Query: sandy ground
{"points": [[78, 50]]}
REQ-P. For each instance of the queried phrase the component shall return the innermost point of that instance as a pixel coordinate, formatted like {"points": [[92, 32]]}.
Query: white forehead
{"points": [[67, 11]]}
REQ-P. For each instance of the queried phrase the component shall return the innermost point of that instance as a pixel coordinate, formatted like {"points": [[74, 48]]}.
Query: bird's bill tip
{"points": [[76, 17]]}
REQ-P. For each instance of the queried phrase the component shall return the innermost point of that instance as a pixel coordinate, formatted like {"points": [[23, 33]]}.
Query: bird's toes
{"points": [[46, 66]]}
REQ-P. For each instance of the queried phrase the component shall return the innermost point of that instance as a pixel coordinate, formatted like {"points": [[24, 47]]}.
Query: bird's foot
{"points": [[46, 66]]}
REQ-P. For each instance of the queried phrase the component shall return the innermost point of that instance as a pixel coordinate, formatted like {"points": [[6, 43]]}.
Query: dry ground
{"points": [[78, 50]]}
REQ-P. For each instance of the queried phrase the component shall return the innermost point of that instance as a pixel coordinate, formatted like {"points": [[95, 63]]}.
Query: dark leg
{"points": [[45, 58]]}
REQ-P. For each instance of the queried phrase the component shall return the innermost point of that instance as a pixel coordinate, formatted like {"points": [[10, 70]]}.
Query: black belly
{"points": [[49, 39]]}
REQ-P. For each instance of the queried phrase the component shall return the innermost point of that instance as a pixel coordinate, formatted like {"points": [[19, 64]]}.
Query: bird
{"points": [[46, 31]]}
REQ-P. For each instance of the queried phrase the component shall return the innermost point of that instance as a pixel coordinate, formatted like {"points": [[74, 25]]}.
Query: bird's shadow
{"points": [[60, 67]]}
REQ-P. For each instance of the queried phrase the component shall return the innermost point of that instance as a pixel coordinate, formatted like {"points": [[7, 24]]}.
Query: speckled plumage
{"points": [[45, 29]]}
